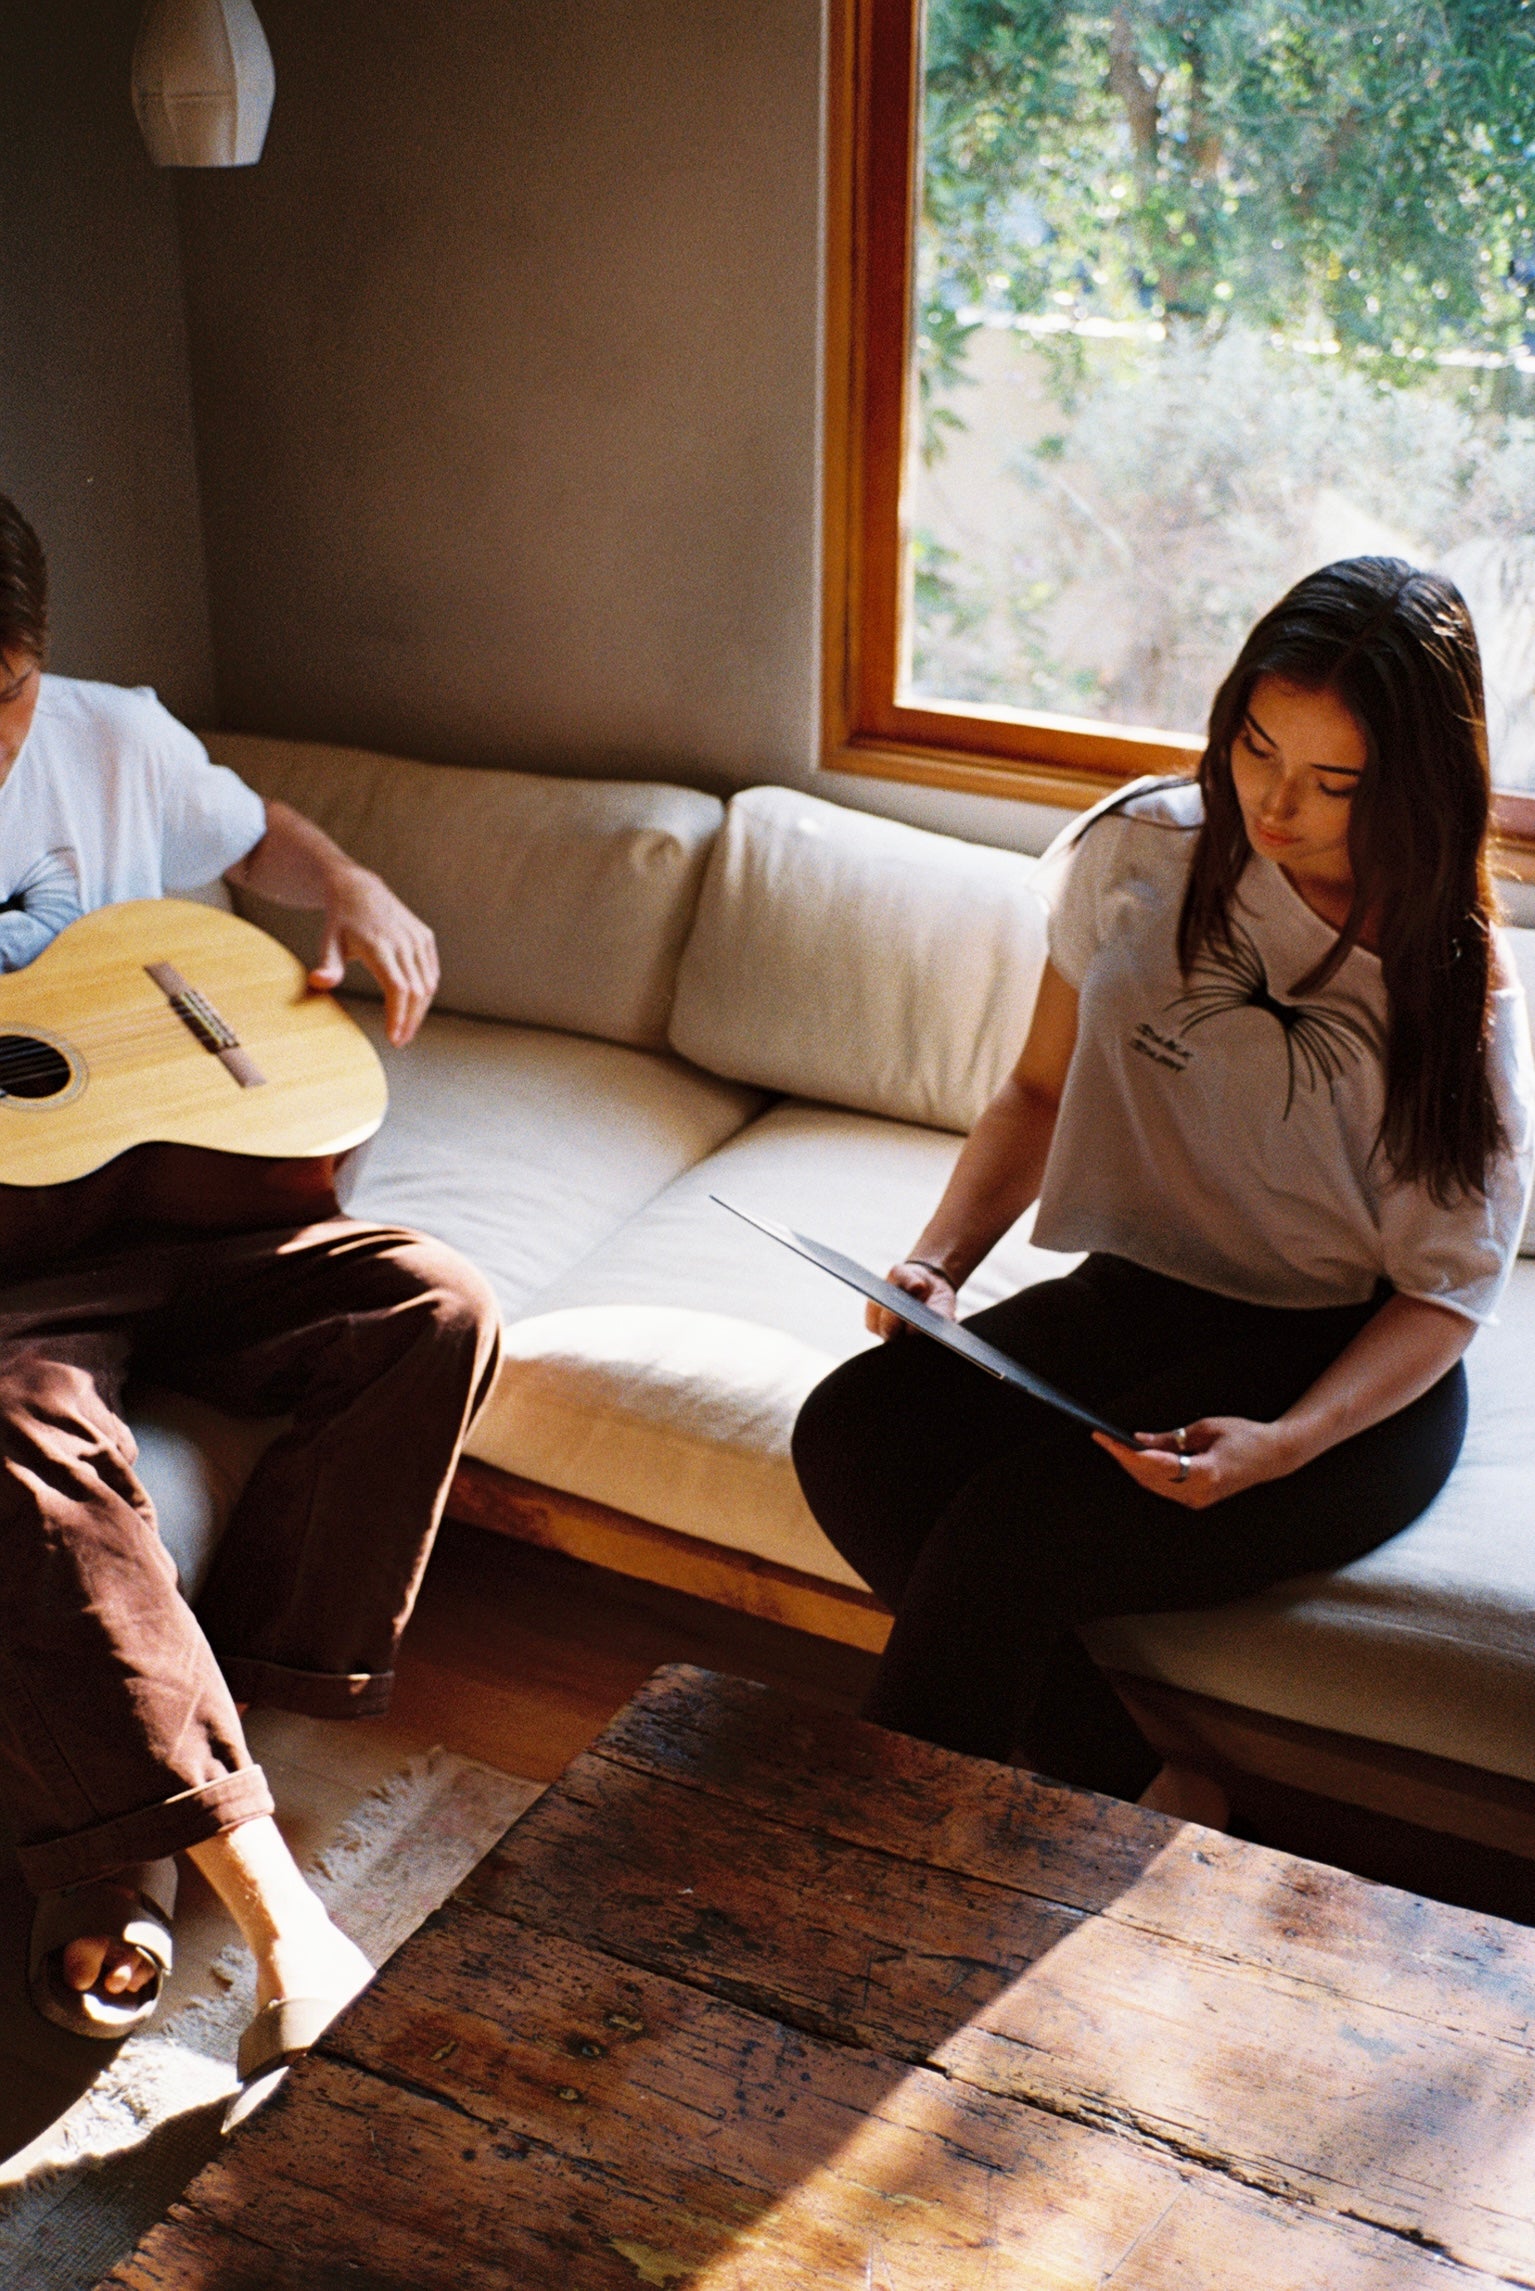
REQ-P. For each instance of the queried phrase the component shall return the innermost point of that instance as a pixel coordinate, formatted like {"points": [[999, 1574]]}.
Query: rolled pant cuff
{"points": [[313, 1694], [188, 1819]]}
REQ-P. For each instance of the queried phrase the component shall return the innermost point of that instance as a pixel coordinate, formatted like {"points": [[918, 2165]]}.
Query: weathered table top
{"points": [[758, 1996]]}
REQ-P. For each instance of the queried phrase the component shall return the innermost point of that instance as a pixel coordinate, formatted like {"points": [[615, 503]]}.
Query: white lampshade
{"points": [[203, 83]]}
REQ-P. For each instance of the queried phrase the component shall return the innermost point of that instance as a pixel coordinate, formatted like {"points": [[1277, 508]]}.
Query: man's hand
{"points": [[296, 865], [1203, 1463], [366, 923]]}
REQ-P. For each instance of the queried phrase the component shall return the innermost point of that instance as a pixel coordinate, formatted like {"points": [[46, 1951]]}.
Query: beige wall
{"points": [[505, 373], [95, 418], [504, 364]]}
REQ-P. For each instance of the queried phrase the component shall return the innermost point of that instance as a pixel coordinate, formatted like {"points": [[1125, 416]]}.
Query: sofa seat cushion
{"points": [[526, 1149], [194, 1461], [1427, 1644], [663, 1375]]}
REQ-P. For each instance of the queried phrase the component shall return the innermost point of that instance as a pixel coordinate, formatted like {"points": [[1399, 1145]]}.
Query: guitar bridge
{"points": [[204, 1024]]}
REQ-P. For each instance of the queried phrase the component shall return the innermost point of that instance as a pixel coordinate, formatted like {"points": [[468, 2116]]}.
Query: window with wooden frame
{"points": [[1137, 313]]}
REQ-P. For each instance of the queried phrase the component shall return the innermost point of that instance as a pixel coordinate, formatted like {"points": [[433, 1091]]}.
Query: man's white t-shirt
{"points": [[110, 799], [1220, 1130]]}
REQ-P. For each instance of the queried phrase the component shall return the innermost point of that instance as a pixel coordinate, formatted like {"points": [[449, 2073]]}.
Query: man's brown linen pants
{"points": [[119, 1740]]}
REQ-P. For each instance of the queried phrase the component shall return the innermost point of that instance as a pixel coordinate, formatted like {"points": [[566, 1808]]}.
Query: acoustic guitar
{"points": [[165, 1023]]}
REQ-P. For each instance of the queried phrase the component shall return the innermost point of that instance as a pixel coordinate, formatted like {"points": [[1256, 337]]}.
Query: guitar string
{"points": [[126, 1034], [46, 1051], [121, 1031]]}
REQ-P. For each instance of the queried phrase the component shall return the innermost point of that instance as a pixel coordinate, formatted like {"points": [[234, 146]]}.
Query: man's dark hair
{"points": [[23, 586]]}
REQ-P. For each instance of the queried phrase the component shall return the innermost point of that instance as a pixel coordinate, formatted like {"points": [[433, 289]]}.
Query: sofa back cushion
{"points": [[853, 960], [556, 902]]}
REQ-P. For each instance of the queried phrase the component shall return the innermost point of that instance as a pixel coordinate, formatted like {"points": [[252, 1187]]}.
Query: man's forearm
{"points": [[295, 864]]}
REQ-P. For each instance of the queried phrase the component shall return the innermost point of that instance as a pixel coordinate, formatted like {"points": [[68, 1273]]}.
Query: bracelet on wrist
{"points": [[928, 1266]]}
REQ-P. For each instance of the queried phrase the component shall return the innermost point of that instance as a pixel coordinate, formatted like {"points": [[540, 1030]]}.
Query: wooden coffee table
{"points": [[758, 1996]]}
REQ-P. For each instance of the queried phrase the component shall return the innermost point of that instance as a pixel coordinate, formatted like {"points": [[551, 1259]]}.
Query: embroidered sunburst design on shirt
{"points": [[1318, 1042]]}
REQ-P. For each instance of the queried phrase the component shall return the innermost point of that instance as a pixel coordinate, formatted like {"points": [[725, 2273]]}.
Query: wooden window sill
{"points": [[1072, 787]]}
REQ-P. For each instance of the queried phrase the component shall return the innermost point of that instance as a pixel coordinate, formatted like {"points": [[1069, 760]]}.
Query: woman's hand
{"points": [[1403, 1350], [924, 1282], [1207, 1461]]}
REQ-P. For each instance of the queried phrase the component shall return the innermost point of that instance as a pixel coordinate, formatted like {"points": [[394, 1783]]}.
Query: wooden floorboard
{"points": [[520, 1656], [1393, 1811]]}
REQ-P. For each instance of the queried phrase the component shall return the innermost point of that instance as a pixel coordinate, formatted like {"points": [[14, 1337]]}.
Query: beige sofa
{"points": [[648, 998]]}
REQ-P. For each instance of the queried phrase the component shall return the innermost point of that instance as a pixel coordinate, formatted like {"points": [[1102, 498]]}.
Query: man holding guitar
{"points": [[239, 1280]]}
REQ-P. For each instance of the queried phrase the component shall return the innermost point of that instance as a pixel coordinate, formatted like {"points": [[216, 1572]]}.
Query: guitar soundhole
{"points": [[32, 1069]]}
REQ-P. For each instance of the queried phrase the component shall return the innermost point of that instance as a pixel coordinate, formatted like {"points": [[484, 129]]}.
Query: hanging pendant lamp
{"points": [[203, 83]]}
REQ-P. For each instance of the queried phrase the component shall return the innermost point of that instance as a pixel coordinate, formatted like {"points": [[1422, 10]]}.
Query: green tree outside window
{"points": [[1214, 283]]}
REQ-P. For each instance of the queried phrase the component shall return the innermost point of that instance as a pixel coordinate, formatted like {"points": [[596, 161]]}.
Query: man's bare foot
{"points": [[297, 1950], [317, 1962], [108, 1966], [1189, 1797], [99, 1950]]}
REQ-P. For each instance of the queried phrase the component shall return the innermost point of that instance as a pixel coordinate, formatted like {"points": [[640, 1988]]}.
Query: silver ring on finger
{"points": [[1183, 1468], [1181, 1439]]}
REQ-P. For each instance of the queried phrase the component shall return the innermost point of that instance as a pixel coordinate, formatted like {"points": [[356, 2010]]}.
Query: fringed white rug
{"points": [[78, 2199]]}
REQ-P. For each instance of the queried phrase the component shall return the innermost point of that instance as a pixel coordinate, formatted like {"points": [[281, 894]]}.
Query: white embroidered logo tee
{"points": [[1221, 1129]]}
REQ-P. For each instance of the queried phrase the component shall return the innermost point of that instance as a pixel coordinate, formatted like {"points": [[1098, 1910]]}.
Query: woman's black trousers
{"points": [[992, 1525]]}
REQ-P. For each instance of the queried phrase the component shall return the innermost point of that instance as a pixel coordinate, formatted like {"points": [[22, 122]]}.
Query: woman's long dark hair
{"points": [[1397, 648]]}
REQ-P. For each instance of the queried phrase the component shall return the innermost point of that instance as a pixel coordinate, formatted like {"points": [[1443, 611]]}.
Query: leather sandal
{"points": [[280, 2034], [134, 1906]]}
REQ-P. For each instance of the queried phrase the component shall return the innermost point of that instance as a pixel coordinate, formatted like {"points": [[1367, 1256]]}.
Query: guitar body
{"points": [[163, 1023]]}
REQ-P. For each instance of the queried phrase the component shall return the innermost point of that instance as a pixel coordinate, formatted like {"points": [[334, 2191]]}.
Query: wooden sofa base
{"points": [[1237, 1745], [486, 1497]]}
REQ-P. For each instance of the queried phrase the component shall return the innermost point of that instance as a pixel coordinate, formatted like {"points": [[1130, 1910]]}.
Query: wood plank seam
{"points": [[1430, 2244], [1118, 2123], [332, 2046], [523, 2146], [1293, 2186], [1145, 2133], [1304, 2074], [1279, 2187], [1112, 1913]]}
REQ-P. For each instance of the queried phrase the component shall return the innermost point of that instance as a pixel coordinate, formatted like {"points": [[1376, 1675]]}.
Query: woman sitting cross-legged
{"points": [[1278, 1087]]}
